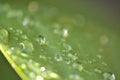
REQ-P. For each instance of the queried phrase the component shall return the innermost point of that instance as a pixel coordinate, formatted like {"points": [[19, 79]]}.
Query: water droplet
{"points": [[97, 70], [33, 6], [68, 60], [18, 32], [67, 48], [39, 78], [104, 40], [41, 40], [53, 75], [24, 55], [23, 66], [26, 46], [32, 75], [78, 65], [26, 21], [42, 68], [109, 76], [73, 56], [3, 35], [65, 33], [99, 56], [58, 57], [75, 76]]}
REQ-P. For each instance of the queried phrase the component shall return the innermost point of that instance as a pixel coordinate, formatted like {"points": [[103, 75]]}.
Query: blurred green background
{"points": [[99, 12]]}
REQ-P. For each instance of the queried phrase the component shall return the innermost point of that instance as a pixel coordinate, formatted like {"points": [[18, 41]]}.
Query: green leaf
{"points": [[42, 42]]}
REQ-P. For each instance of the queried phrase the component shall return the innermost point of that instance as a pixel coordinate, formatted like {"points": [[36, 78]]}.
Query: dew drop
{"points": [[97, 70], [99, 56], [26, 46], [41, 40], [67, 48], [39, 78], [53, 75], [23, 66], [75, 76], [58, 58], [109, 76], [68, 60], [26, 21], [24, 55], [42, 68], [65, 33], [78, 65], [32, 74], [73, 56]]}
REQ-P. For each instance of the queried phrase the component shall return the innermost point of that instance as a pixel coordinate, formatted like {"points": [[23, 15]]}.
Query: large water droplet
{"points": [[109, 76], [58, 58], [41, 40], [26, 46]]}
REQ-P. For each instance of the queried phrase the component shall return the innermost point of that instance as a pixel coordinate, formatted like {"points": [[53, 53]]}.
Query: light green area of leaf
{"points": [[43, 43]]}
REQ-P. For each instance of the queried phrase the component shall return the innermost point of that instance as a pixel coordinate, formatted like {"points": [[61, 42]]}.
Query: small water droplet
{"points": [[58, 57], [41, 40], [26, 21], [73, 56], [24, 55], [109, 76], [65, 33], [39, 78], [67, 48], [42, 68], [23, 66], [32, 75], [75, 76], [97, 70], [99, 56], [53, 75], [78, 65], [26, 46], [68, 60]]}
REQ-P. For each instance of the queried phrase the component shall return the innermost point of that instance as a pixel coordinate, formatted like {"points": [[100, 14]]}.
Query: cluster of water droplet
{"points": [[24, 49]]}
